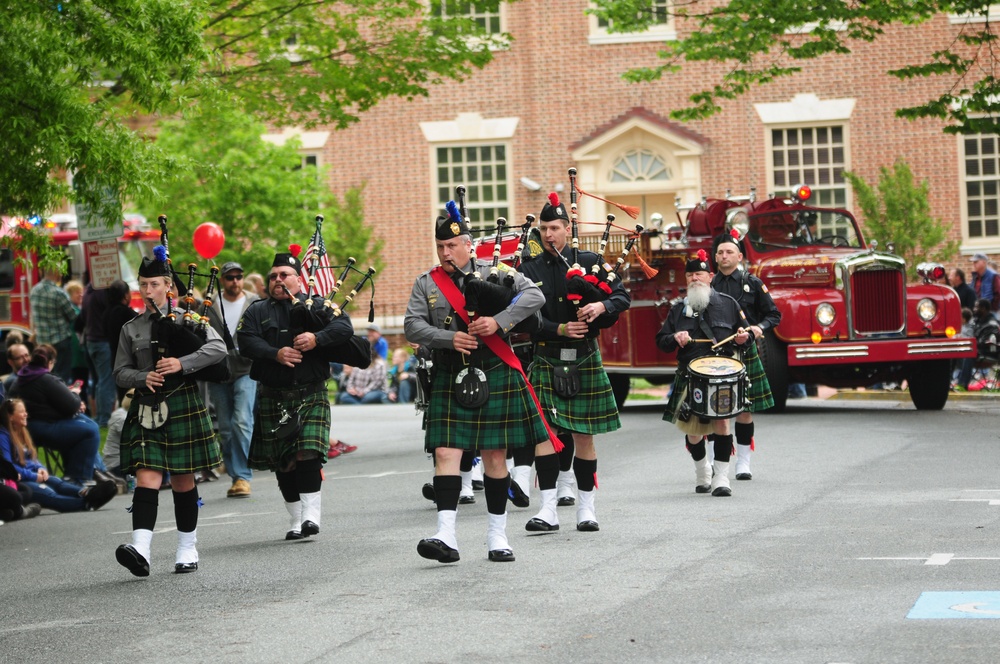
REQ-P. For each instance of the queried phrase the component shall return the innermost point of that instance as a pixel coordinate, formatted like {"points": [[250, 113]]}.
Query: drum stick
{"points": [[727, 339]]}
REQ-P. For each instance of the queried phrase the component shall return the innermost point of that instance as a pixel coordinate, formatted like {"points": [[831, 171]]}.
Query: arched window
{"points": [[640, 166]]}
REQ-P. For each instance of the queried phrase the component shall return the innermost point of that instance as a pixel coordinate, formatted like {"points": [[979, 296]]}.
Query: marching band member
{"points": [[703, 316], [495, 411], [174, 435], [762, 314], [572, 385], [292, 428]]}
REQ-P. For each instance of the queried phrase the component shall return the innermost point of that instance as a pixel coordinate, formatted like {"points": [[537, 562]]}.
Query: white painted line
{"points": [[991, 501], [934, 559], [940, 559], [429, 472]]}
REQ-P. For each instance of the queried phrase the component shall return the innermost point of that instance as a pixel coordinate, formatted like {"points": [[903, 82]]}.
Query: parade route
{"points": [[866, 535]]}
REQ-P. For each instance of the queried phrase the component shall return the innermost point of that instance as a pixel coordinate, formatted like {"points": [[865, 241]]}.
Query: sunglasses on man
{"points": [[233, 277]]}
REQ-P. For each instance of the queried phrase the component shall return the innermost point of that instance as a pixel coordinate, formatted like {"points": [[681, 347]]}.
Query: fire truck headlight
{"points": [[926, 309], [737, 219], [825, 314]]}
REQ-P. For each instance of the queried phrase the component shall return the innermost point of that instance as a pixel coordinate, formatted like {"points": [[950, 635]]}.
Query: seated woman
{"points": [[56, 417], [402, 377], [46, 490]]}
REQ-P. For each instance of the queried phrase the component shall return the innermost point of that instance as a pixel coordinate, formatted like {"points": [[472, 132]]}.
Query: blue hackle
{"points": [[453, 213], [160, 253]]}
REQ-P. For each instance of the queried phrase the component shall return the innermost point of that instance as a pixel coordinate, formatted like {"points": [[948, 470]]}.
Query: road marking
{"points": [[974, 605], [990, 501], [387, 473], [933, 559]]}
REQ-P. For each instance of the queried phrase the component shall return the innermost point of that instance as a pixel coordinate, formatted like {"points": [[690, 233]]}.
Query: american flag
{"points": [[325, 279]]}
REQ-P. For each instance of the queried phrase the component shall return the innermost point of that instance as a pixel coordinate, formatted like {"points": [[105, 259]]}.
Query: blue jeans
{"points": [[99, 353], [234, 412], [77, 439], [375, 396], [57, 494], [405, 394]]}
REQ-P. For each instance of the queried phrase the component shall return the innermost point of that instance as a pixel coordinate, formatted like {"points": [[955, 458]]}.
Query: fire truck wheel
{"points": [[620, 385], [774, 357], [929, 384]]}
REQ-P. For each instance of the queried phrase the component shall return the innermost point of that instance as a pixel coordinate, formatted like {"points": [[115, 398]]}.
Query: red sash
{"points": [[499, 347]]}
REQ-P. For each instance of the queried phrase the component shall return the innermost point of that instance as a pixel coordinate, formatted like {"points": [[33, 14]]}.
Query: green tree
{"points": [[258, 192], [762, 41], [76, 76], [897, 211]]}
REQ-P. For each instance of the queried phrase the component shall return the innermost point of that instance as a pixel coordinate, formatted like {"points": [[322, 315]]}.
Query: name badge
{"points": [[567, 354]]}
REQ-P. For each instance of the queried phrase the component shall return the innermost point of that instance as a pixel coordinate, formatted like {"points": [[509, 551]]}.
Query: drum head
{"points": [[714, 365]]}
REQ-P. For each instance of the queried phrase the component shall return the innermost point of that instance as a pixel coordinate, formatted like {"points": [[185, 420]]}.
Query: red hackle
{"points": [[702, 255], [554, 199], [630, 210], [295, 249]]}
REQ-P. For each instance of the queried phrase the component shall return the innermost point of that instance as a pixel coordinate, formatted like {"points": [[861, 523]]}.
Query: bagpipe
{"points": [[170, 338], [318, 310]]}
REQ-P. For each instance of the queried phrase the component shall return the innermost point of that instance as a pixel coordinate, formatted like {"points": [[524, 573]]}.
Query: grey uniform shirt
{"points": [[428, 310], [135, 354]]}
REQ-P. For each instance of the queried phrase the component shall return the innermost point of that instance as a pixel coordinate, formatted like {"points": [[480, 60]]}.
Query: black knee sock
{"points": [[309, 475], [468, 457], [186, 510], [566, 454], [586, 473], [723, 447], [744, 433], [446, 490], [697, 450], [547, 470], [287, 486], [496, 493], [145, 503], [523, 456]]}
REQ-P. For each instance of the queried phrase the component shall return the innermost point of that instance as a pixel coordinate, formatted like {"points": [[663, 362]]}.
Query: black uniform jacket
{"points": [[723, 316], [752, 296]]}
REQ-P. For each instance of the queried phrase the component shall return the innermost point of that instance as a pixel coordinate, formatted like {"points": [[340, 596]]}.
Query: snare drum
{"points": [[717, 387]]}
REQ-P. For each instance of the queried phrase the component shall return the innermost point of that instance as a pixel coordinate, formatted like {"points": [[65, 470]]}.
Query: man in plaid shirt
{"points": [[52, 314], [367, 385]]}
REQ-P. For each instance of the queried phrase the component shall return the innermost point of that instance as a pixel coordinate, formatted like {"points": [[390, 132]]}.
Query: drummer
{"points": [[693, 326]]}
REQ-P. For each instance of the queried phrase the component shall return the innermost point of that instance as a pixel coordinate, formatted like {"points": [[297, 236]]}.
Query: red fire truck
{"points": [[15, 283], [849, 319]]}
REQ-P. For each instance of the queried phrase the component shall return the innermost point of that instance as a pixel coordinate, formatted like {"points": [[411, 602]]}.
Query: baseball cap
{"points": [[373, 326], [979, 256], [230, 266]]}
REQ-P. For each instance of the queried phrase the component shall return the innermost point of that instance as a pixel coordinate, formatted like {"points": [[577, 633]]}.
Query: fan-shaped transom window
{"points": [[640, 166]]}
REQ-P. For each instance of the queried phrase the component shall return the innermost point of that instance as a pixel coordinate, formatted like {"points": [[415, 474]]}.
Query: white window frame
{"points": [[599, 35], [988, 243]]}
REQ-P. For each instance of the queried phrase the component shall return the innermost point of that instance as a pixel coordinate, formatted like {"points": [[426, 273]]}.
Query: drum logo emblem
{"points": [[722, 400], [697, 395]]}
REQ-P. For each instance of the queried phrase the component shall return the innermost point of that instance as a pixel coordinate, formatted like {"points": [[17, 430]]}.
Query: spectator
{"points": [[364, 386], [966, 294], [12, 504], [254, 283], [119, 312], [18, 355], [987, 333], [47, 490], [56, 417], [96, 307], [79, 368], [53, 316], [402, 377], [377, 341], [985, 281], [112, 444]]}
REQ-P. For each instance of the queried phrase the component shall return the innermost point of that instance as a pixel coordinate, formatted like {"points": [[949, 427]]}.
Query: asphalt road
{"points": [[861, 514]]}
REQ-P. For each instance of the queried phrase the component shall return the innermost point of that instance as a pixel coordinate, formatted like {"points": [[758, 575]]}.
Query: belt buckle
{"points": [[567, 354]]}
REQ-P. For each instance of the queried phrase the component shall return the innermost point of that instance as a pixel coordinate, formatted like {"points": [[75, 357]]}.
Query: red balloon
{"points": [[208, 240]]}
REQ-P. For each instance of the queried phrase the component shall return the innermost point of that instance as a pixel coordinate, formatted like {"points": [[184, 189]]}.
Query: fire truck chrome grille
{"points": [[877, 301]]}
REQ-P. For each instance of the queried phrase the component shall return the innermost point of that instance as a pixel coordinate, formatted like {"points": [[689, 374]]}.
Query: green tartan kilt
{"points": [[760, 389], [267, 452], [592, 410], [184, 444], [507, 420]]}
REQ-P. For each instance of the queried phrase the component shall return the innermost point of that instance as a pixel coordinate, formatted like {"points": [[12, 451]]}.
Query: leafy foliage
{"points": [[258, 192], [761, 41], [897, 211]]}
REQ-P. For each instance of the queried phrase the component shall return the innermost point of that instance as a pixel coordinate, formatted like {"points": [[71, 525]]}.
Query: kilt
{"points": [[696, 426], [507, 420], [592, 410], [184, 444], [760, 389], [267, 451]]}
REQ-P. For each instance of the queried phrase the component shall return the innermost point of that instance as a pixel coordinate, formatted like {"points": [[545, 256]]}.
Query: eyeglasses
{"points": [[233, 277], [275, 277]]}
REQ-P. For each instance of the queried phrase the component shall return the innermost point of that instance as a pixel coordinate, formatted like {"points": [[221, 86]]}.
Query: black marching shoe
{"points": [[565, 501], [294, 535], [502, 556], [128, 557], [466, 500], [588, 526], [517, 495], [744, 476], [185, 568], [722, 491], [428, 492], [703, 488], [478, 485], [435, 549], [308, 529], [100, 494], [536, 525]]}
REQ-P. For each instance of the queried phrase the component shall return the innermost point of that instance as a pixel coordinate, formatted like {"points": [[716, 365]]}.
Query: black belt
{"points": [[553, 348], [291, 393], [452, 358]]}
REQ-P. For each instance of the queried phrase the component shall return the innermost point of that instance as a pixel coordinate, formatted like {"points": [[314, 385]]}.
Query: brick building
{"points": [[555, 99]]}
